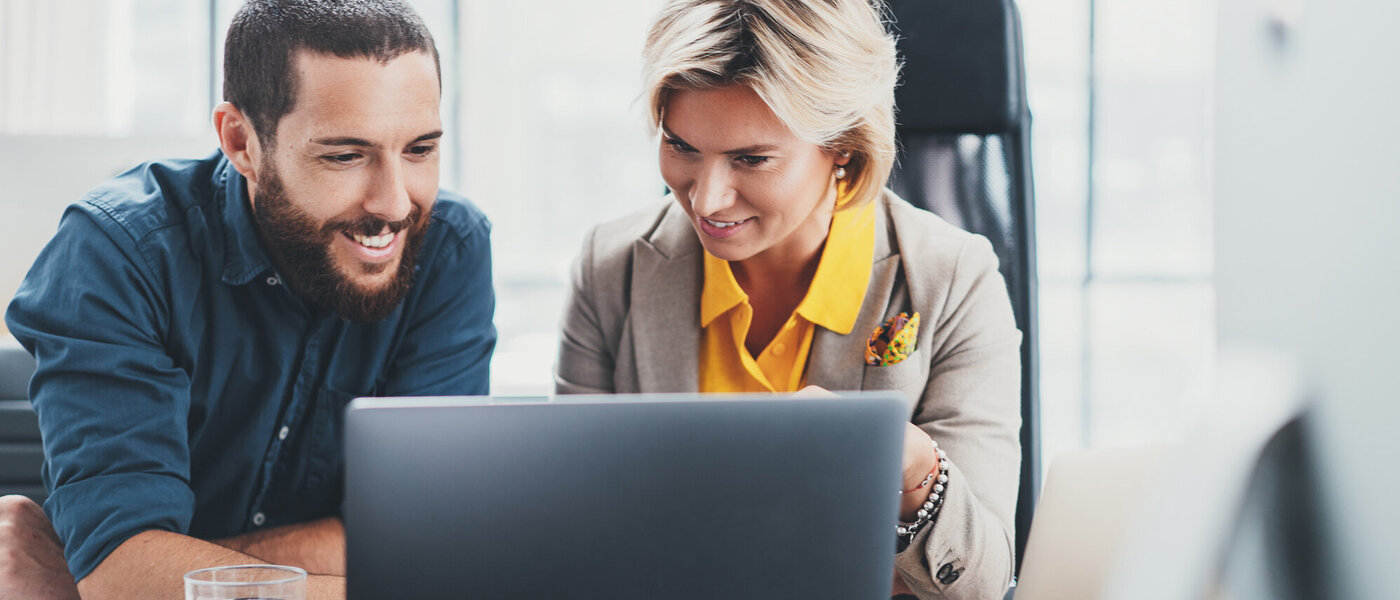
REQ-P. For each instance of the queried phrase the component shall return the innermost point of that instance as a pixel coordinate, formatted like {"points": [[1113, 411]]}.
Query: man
{"points": [[200, 325]]}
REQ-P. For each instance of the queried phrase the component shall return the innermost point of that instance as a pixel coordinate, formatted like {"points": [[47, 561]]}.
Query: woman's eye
{"points": [[680, 146]]}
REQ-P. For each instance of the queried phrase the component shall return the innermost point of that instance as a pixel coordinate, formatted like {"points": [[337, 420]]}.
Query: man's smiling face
{"points": [[345, 192]]}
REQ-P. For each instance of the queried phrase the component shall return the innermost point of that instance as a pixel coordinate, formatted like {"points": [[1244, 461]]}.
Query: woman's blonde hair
{"points": [[826, 68]]}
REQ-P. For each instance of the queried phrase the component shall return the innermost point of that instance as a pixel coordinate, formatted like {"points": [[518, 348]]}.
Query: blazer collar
{"points": [[666, 283], [837, 361], [667, 279]]}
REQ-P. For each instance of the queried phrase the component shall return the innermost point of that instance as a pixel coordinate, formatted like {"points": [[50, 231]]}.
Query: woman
{"points": [[779, 252]]}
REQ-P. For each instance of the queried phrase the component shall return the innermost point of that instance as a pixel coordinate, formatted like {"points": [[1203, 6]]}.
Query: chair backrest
{"points": [[21, 452], [964, 132]]}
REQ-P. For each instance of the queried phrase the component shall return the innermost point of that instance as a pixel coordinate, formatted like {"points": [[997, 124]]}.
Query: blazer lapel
{"points": [[837, 362], [665, 305]]}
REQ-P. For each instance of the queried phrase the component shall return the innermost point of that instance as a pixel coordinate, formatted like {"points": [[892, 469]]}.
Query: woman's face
{"points": [[750, 186]]}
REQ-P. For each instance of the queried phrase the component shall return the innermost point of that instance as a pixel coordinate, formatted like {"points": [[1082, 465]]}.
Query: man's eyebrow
{"points": [[754, 149], [432, 135], [354, 141], [341, 141]]}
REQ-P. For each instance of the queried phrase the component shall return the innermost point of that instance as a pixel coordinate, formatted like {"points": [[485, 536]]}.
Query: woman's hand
{"points": [[919, 460], [814, 391]]}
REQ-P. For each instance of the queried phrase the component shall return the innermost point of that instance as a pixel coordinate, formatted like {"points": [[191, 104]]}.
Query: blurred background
{"points": [[545, 134]]}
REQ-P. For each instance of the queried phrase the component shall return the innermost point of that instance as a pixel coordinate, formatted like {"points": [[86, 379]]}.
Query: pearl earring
{"points": [[840, 172]]}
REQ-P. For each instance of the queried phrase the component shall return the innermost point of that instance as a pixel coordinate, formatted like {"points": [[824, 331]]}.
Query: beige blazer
{"points": [[632, 325]]}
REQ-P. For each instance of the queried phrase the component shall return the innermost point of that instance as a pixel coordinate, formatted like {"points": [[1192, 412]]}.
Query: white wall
{"points": [[40, 175], [1307, 190], [1308, 186]]}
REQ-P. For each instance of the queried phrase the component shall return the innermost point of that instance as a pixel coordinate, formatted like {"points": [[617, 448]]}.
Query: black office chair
{"points": [[21, 453], [964, 131]]}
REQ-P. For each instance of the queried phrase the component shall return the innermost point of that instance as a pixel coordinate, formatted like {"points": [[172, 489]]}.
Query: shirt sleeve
{"points": [[447, 347], [111, 402]]}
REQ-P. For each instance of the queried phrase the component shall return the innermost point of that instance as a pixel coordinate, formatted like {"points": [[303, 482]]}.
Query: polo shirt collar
{"points": [[837, 290], [244, 257], [721, 292]]}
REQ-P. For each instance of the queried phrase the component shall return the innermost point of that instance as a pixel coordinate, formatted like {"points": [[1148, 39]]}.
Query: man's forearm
{"points": [[318, 546], [152, 564]]}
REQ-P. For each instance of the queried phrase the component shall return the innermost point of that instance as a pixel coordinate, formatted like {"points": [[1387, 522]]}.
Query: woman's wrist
{"points": [[918, 484], [920, 506]]}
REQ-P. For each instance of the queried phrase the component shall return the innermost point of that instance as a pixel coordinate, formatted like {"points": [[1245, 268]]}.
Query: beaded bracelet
{"points": [[928, 513]]}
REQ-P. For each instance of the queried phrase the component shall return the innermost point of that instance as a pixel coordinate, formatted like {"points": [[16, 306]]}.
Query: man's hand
{"points": [[31, 555]]}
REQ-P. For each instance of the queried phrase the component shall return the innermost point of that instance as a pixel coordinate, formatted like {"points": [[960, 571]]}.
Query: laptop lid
{"points": [[682, 496], [1091, 500]]}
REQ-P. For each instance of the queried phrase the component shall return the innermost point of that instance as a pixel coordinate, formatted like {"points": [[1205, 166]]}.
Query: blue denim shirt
{"points": [[182, 387]]}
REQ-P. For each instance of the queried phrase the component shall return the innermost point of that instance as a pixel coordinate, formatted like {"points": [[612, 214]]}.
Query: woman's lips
{"points": [[723, 229]]}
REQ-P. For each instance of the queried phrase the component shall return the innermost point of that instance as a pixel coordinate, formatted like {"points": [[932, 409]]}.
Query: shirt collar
{"points": [[244, 257], [838, 288], [837, 291], [721, 291]]}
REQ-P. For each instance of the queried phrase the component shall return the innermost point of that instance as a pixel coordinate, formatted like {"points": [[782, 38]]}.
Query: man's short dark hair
{"points": [[266, 34]]}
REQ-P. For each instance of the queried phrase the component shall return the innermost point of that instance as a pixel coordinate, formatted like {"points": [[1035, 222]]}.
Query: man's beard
{"points": [[302, 251]]}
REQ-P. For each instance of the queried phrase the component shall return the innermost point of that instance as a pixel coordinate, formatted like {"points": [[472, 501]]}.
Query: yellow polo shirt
{"points": [[833, 301]]}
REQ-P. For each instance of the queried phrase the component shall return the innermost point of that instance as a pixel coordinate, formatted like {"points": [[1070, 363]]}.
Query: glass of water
{"points": [[246, 582]]}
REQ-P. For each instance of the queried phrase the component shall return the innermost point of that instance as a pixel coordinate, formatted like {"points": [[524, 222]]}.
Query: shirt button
{"points": [[259, 519], [779, 349], [273, 280], [282, 435]]}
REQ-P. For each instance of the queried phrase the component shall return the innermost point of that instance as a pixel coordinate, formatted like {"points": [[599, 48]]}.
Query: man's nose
{"points": [[388, 196]]}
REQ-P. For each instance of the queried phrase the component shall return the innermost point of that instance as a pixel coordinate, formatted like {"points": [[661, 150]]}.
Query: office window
{"points": [[1120, 92], [544, 132], [554, 142], [103, 67]]}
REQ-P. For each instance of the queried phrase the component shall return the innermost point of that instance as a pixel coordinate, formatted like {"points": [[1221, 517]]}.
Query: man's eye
{"points": [[753, 161], [423, 150], [342, 158]]}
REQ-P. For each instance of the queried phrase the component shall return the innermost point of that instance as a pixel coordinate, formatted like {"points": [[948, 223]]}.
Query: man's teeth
{"points": [[373, 241], [722, 224]]}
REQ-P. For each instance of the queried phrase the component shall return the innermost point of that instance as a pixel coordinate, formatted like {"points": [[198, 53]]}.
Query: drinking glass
{"points": [[246, 582]]}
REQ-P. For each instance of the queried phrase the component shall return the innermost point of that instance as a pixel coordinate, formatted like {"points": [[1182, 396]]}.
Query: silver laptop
{"points": [[682, 496], [1091, 500]]}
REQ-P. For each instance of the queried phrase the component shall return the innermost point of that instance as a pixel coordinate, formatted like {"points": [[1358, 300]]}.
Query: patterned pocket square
{"points": [[893, 341]]}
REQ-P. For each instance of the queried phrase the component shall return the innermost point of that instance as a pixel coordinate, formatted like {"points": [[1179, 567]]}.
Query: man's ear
{"points": [[238, 140]]}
